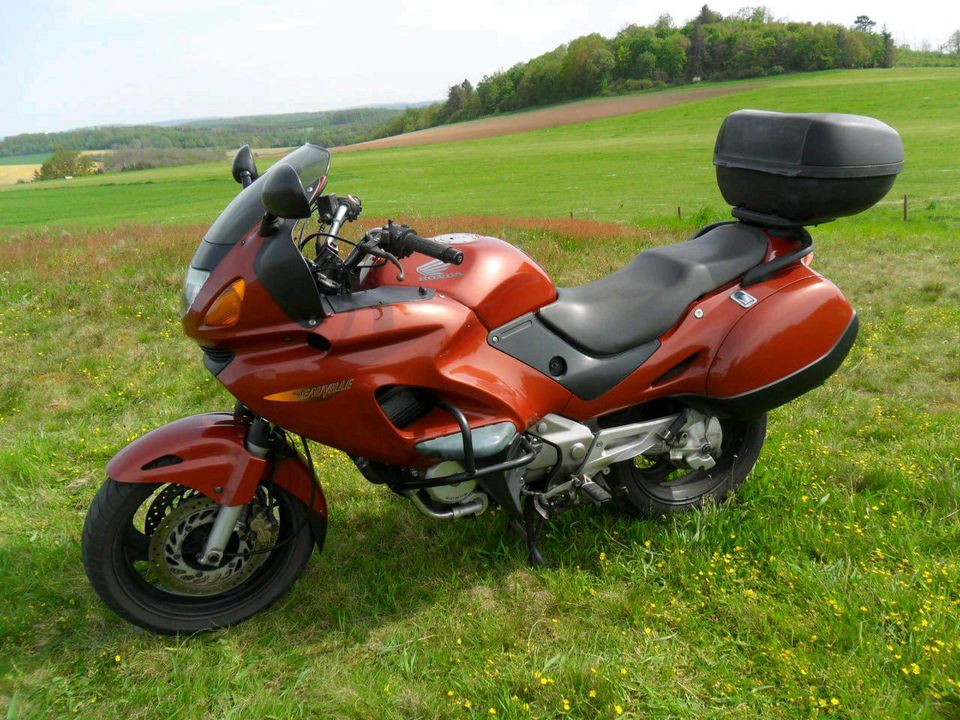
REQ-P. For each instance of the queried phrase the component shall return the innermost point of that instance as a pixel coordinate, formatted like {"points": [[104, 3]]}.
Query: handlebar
{"points": [[405, 241], [391, 242], [433, 249]]}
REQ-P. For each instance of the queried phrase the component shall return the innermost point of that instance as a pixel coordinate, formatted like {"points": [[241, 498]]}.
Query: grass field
{"points": [[35, 159], [829, 586], [636, 168]]}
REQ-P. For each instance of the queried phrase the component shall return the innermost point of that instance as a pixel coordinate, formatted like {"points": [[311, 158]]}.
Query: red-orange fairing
{"points": [[322, 381]]}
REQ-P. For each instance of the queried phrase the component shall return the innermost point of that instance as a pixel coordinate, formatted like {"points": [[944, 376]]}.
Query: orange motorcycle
{"points": [[453, 371]]}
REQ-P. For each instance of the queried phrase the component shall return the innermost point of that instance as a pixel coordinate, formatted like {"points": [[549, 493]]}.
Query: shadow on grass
{"points": [[378, 565]]}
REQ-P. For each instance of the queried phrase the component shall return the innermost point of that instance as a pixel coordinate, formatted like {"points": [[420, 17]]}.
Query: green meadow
{"points": [[634, 169], [829, 586], [24, 159]]}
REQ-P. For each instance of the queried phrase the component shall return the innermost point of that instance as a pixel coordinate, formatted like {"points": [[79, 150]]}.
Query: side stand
{"points": [[534, 524]]}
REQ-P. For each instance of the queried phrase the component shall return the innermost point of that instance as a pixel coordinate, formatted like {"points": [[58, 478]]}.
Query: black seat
{"points": [[643, 300]]}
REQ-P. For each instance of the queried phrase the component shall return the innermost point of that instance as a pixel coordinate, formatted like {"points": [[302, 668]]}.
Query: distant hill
{"points": [[332, 127], [283, 118]]}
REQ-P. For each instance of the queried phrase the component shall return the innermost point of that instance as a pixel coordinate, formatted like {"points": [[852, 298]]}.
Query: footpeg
{"points": [[595, 492]]}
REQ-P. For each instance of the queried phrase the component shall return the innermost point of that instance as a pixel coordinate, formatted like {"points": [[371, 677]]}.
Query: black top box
{"points": [[790, 170]]}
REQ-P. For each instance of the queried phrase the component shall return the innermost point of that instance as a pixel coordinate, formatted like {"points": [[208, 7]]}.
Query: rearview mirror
{"points": [[244, 166], [283, 193]]}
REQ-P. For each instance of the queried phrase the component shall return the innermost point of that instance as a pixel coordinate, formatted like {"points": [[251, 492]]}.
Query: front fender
{"points": [[208, 453]]}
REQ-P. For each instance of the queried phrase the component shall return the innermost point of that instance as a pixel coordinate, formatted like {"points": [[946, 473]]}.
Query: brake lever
{"points": [[381, 253]]}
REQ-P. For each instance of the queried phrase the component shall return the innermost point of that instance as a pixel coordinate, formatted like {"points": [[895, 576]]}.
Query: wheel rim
{"points": [[162, 591], [672, 485]]}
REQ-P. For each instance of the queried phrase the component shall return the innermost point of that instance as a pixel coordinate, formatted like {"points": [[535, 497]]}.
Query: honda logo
{"points": [[436, 270]]}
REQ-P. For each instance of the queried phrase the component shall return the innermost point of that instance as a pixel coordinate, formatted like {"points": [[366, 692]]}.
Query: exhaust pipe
{"points": [[471, 505]]}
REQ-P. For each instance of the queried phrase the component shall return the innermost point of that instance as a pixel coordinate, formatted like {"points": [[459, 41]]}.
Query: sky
{"points": [[74, 64]]}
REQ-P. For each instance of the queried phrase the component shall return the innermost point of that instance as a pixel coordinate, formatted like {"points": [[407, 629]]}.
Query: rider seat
{"points": [[641, 301]]}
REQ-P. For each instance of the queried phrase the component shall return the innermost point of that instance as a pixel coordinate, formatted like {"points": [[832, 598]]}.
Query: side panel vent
{"points": [[403, 405], [676, 370], [216, 359], [162, 461]]}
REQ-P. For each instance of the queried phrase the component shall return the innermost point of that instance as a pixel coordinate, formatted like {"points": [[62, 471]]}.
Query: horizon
{"points": [[73, 68], [182, 122]]}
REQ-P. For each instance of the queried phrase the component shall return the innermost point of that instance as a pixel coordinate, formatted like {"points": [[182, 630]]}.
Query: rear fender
{"points": [[208, 453]]}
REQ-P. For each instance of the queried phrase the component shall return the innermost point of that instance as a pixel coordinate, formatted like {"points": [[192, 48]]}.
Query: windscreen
{"points": [[311, 162]]}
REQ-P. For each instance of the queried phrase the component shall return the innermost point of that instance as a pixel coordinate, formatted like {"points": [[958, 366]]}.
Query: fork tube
{"points": [[219, 536]]}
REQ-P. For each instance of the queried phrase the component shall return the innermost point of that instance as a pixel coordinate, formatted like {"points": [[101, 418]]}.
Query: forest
{"points": [[709, 47]]}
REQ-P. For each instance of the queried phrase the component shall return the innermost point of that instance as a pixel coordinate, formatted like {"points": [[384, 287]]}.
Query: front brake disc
{"points": [[178, 541], [163, 502]]}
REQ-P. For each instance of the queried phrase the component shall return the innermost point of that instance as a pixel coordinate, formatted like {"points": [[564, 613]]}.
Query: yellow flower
{"points": [[116, 658], [618, 709], [467, 704], [492, 711], [623, 671], [834, 701], [449, 693], [647, 631], [593, 693], [603, 556]]}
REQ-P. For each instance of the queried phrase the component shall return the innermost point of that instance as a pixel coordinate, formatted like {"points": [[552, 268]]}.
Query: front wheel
{"points": [[141, 544], [651, 488]]}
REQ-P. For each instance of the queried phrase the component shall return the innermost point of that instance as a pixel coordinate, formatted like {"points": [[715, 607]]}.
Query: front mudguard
{"points": [[208, 453]]}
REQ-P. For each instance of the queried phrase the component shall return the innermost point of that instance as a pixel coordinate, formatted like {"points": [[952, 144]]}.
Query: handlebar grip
{"points": [[433, 249]]}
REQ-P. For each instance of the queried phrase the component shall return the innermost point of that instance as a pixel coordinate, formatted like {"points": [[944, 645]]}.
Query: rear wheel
{"points": [[141, 544], [652, 487]]}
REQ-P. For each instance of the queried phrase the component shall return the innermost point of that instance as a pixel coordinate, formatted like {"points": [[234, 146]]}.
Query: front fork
{"points": [[258, 443]]}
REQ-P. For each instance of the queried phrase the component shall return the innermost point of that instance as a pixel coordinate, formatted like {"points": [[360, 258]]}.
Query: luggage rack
{"points": [[782, 228]]}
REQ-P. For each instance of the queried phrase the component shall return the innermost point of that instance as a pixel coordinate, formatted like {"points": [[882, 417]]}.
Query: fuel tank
{"points": [[496, 280]]}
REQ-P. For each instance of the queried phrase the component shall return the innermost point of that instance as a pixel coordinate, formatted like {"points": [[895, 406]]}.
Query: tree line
{"points": [[709, 47], [338, 127]]}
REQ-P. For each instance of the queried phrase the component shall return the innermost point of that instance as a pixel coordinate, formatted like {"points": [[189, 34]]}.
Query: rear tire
{"points": [[661, 488], [114, 551]]}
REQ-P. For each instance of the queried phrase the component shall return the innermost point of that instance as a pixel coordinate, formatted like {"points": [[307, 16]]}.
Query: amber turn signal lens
{"points": [[225, 310]]}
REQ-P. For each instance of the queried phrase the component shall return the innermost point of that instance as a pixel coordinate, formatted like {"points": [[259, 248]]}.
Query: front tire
{"points": [[120, 554], [650, 490]]}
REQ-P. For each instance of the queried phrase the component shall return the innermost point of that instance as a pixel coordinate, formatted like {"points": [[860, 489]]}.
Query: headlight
{"points": [[191, 287]]}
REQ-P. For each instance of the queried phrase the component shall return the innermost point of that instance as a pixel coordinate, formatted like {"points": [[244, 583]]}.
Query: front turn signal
{"points": [[225, 309]]}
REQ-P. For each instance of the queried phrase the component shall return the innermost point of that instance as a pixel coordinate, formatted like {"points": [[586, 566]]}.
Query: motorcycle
{"points": [[454, 372]]}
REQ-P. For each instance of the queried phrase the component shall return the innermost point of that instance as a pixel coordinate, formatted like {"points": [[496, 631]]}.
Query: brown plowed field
{"points": [[546, 117]]}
